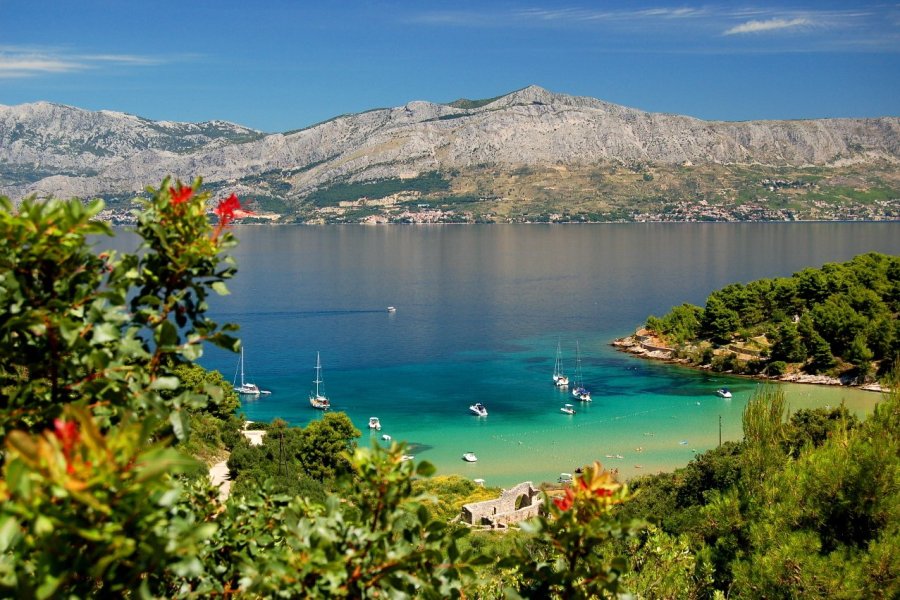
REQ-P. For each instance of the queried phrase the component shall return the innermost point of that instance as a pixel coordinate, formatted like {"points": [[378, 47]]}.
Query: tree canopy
{"points": [[840, 318]]}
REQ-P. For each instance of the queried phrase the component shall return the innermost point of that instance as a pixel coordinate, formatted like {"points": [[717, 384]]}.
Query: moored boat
{"points": [[580, 392], [559, 379], [318, 399], [375, 423], [470, 457], [568, 409], [479, 409], [723, 392], [245, 387]]}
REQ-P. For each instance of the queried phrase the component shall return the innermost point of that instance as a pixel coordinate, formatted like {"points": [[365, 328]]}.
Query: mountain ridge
{"points": [[50, 149]]}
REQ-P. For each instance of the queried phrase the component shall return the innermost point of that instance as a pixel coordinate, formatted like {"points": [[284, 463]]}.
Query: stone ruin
{"points": [[515, 504]]}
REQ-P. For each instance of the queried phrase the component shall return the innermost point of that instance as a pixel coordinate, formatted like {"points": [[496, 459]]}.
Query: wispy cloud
{"points": [[29, 66], [769, 25], [702, 27], [18, 62]]}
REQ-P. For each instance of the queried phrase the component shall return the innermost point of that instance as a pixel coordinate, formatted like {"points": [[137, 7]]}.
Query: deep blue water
{"points": [[480, 310]]}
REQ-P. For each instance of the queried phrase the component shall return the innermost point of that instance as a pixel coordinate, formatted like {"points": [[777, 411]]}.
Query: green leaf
{"points": [[425, 469], [9, 533], [105, 332], [165, 383], [220, 288]]}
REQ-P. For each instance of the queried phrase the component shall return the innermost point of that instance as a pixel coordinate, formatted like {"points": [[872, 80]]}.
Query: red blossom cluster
{"points": [[226, 209], [67, 433], [182, 194], [597, 491]]}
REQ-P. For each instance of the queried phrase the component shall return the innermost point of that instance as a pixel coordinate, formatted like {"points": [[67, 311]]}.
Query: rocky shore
{"points": [[646, 345]]}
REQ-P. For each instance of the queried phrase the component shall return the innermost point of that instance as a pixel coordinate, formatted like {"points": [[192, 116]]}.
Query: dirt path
{"points": [[218, 473]]}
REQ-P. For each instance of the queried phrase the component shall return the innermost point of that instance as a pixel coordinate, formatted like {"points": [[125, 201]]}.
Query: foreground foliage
{"points": [[99, 396]]}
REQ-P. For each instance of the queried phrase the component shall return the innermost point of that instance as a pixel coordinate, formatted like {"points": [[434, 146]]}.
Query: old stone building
{"points": [[515, 504]]}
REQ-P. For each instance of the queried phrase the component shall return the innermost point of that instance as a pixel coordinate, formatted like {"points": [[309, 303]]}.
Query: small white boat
{"points": [[565, 478], [374, 423], [479, 409], [470, 457], [723, 392], [406, 457], [391, 309], [319, 400], [386, 437], [568, 409], [246, 388]]}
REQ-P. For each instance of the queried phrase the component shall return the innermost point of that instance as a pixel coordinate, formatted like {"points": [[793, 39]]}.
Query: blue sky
{"points": [[280, 65]]}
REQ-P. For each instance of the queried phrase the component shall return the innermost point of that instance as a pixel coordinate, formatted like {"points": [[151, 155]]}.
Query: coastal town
{"points": [[407, 209]]}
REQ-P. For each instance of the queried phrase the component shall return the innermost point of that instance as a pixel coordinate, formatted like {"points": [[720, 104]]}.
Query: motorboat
{"points": [[565, 478], [479, 409], [318, 399], [374, 423], [391, 309], [723, 392], [245, 387], [386, 437], [568, 409], [470, 457], [407, 457]]}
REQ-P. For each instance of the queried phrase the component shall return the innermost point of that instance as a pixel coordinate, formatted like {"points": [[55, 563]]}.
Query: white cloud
{"points": [[768, 25], [29, 66], [16, 62]]}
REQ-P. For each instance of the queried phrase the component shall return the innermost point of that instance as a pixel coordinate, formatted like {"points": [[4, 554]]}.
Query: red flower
{"points": [[566, 502], [225, 209], [67, 433], [182, 194]]}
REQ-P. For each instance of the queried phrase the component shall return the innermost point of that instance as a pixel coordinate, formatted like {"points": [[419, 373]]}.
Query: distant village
{"points": [[412, 208]]}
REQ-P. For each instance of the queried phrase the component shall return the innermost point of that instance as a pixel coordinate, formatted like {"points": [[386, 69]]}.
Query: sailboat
{"points": [[250, 389], [580, 391], [318, 400], [559, 379]]}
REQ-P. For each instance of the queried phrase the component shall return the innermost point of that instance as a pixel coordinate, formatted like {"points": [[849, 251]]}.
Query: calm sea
{"points": [[480, 310]]}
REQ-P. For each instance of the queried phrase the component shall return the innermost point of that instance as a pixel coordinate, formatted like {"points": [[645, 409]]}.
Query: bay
{"points": [[480, 310]]}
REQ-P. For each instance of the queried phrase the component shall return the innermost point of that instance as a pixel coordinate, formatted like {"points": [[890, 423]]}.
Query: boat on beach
{"points": [[319, 400], [479, 409], [246, 388]]}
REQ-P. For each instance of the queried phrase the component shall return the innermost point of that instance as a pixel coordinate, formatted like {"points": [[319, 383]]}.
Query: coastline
{"points": [[644, 345]]}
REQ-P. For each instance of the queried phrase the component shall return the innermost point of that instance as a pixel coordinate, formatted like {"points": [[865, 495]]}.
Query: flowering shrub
{"points": [[575, 536], [92, 502]]}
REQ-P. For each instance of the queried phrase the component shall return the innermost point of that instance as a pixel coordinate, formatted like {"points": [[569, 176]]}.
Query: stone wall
{"points": [[502, 511]]}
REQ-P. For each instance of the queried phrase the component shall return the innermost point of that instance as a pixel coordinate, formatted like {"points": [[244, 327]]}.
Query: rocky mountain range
{"points": [[49, 149]]}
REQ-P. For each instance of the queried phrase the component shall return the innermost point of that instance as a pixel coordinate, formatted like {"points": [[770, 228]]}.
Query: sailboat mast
{"points": [[242, 366], [318, 373]]}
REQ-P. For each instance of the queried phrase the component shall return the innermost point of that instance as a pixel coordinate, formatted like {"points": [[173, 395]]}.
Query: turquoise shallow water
{"points": [[480, 310], [654, 416]]}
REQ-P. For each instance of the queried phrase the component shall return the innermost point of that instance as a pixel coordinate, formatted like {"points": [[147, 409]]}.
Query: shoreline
{"points": [[642, 348]]}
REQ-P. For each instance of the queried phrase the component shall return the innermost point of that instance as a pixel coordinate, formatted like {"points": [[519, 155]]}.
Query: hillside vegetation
{"points": [[840, 320]]}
